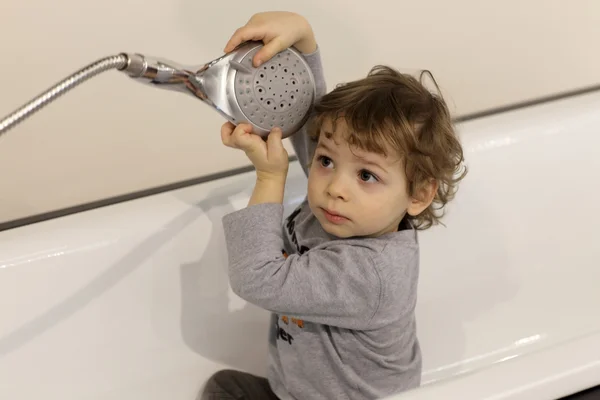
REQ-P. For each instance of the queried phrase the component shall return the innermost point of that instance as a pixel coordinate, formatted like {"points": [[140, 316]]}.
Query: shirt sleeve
{"points": [[337, 284], [303, 146]]}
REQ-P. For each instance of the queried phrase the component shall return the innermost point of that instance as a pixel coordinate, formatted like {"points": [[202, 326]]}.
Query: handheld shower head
{"points": [[279, 93]]}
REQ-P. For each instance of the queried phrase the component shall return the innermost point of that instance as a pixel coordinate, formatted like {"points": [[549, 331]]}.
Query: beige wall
{"points": [[112, 136]]}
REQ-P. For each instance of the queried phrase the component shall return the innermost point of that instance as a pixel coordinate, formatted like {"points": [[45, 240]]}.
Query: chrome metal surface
{"points": [[45, 98], [279, 93]]}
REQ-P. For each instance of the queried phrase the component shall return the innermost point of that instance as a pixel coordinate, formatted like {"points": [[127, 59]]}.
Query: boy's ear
{"points": [[423, 197]]}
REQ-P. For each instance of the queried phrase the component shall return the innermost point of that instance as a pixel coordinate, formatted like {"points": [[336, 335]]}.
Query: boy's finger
{"points": [[226, 130], [242, 130], [241, 136], [268, 51], [274, 141], [241, 35]]}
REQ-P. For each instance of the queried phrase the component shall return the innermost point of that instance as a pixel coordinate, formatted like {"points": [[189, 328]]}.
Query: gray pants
{"points": [[237, 385]]}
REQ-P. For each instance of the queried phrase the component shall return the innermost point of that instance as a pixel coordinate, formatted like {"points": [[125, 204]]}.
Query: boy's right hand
{"points": [[278, 30]]}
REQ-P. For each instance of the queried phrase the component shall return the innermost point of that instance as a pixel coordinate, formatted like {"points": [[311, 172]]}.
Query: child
{"points": [[340, 277]]}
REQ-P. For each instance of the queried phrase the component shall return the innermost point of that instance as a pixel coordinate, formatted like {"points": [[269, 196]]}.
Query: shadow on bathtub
{"points": [[215, 322]]}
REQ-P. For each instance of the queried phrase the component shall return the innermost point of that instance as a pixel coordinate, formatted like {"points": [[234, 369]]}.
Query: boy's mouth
{"points": [[333, 217]]}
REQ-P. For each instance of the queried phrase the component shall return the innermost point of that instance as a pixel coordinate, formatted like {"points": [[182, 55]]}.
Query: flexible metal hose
{"points": [[113, 62]]}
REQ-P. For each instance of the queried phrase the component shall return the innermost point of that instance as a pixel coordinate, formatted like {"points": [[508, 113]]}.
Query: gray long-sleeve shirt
{"points": [[343, 323]]}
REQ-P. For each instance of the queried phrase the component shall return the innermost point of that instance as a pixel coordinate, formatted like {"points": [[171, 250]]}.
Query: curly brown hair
{"points": [[388, 107]]}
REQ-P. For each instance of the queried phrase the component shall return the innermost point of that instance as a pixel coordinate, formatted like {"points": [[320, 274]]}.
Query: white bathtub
{"points": [[131, 301]]}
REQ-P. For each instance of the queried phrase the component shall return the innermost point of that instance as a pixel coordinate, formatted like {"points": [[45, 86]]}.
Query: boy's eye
{"points": [[366, 176], [325, 161]]}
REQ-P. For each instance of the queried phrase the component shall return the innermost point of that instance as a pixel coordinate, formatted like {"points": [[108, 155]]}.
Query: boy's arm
{"points": [[303, 146], [268, 191], [337, 284]]}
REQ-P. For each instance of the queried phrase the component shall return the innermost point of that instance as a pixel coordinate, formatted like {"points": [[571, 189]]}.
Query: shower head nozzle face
{"points": [[279, 93]]}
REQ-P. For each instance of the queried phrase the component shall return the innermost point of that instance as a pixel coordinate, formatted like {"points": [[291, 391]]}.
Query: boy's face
{"points": [[356, 193]]}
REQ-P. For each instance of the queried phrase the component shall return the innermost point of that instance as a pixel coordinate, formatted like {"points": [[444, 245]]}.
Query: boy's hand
{"points": [[278, 30], [270, 158]]}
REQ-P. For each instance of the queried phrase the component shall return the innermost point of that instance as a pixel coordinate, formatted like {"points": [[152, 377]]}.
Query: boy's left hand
{"points": [[270, 158]]}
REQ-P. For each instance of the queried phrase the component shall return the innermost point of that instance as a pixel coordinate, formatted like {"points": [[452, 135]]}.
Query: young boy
{"points": [[340, 277]]}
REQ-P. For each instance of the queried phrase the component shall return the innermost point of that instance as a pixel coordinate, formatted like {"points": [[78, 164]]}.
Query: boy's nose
{"points": [[337, 189]]}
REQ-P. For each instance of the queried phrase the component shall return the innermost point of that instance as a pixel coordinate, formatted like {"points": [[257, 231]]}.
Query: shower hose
{"points": [[113, 62]]}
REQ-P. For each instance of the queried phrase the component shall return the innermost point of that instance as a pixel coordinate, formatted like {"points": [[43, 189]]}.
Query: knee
{"points": [[216, 383], [222, 376]]}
